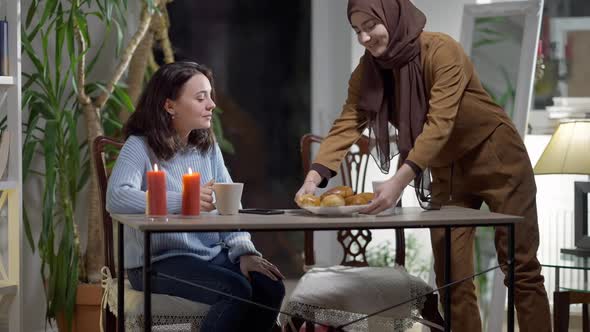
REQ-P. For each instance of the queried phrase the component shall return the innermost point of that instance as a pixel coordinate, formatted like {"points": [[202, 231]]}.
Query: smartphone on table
{"points": [[262, 211]]}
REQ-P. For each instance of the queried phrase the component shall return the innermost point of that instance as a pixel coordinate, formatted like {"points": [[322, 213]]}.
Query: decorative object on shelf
{"points": [[540, 65], [569, 36], [569, 108], [545, 83], [568, 153], [4, 149], [4, 69]]}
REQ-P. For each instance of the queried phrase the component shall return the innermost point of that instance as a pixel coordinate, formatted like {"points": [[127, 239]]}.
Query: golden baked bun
{"points": [[308, 200], [343, 191], [354, 200], [360, 199], [368, 196], [332, 200]]}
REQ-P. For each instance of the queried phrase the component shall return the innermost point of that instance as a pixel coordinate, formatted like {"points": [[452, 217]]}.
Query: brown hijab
{"points": [[404, 23]]}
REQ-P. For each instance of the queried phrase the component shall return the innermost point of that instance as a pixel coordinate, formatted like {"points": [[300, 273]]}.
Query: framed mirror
{"points": [[501, 40]]}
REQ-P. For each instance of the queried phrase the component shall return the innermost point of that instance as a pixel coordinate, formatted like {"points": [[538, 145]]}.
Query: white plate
{"points": [[336, 210]]}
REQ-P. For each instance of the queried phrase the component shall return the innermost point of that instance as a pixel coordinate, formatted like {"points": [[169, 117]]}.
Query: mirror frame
{"points": [[532, 11]]}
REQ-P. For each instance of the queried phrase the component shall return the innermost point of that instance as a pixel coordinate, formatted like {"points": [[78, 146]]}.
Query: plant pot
{"points": [[87, 311]]}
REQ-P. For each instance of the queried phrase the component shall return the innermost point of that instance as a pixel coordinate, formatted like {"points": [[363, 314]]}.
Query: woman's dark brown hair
{"points": [[151, 120]]}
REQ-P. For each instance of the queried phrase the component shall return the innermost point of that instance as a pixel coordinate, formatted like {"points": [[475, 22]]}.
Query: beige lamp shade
{"points": [[568, 151]]}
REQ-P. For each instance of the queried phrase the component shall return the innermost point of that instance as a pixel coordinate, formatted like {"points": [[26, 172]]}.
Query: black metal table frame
{"points": [[147, 266]]}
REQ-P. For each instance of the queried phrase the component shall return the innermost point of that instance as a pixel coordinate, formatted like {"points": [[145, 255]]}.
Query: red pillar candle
{"points": [[191, 193], [156, 186]]}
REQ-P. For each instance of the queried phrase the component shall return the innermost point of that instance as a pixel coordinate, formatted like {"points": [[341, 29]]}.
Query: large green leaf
{"points": [[28, 232], [119, 43], [71, 42], [46, 68], [73, 161], [47, 235], [122, 98], [30, 144], [81, 23], [50, 6], [31, 54], [42, 104], [31, 12], [98, 54], [60, 31]]}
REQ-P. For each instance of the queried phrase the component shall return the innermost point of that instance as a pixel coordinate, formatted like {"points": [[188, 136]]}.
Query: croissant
{"points": [[308, 200], [360, 199], [332, 200], [368, 196], [343, 191]]}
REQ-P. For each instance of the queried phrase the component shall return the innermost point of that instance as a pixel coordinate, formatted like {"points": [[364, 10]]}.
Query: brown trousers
{"points": [[499, 173]]}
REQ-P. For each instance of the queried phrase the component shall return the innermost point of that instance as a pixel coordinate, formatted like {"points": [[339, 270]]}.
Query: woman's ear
{"points": [[169, 107]]}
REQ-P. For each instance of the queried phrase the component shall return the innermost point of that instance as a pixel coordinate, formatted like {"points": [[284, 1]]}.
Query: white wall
{"points": [[443, 16]]}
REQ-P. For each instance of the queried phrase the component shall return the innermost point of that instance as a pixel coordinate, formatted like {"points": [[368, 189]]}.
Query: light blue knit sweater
{"points": [[126, 194]]}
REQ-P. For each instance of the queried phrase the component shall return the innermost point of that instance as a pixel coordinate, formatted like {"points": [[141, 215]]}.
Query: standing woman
{"points": [[424, 85], [172, 126]]}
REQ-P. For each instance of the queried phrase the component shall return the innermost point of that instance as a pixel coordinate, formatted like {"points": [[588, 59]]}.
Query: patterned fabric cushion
{"points": [[340, 294]]}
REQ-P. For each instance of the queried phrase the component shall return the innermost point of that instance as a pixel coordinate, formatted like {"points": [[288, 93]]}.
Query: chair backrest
{"points": [[100, 144], [353, 172]]}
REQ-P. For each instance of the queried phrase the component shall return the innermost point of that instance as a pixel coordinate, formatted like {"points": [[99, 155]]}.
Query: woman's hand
{"points": [[207, 196], [310, 185], [388, 193], [252, 263]]}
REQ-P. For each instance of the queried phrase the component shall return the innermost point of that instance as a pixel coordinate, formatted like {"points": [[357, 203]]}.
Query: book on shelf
{"points": [[4, 61]]}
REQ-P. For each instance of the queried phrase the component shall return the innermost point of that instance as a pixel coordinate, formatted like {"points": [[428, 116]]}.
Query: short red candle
{"points": [[156, 186], [191, 193]]}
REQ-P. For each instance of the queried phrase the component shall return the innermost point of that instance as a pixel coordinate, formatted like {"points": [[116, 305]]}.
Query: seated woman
{"points": [[172, 126]]}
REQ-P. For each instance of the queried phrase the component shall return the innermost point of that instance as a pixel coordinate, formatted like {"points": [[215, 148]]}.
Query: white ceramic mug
{"points": [[228, 197]]}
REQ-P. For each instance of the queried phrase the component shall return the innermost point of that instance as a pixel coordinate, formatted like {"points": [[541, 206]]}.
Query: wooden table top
{"points": [[407, 217]]}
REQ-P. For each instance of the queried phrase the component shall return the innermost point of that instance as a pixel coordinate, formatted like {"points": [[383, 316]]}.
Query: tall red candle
{"points": [[191, 193], [156, 185]]}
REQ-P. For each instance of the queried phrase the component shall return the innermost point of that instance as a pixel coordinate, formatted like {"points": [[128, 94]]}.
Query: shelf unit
{"points": [[11, 185]]}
